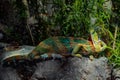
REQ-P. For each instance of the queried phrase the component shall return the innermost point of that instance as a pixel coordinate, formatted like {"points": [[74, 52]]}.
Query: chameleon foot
{"points": [[77, 55], [91, 57], [36, 57], [44, 56]]}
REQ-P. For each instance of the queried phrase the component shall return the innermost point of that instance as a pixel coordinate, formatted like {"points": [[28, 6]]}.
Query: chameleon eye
{"points": [[101, 45]]}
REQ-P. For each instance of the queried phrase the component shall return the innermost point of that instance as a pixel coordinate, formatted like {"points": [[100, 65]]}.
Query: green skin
{"points": [[59, 47]]}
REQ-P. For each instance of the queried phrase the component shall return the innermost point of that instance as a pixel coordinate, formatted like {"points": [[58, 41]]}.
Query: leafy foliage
{"points": [[115, 56], [75, 17], [115, 18], [62, 17]]}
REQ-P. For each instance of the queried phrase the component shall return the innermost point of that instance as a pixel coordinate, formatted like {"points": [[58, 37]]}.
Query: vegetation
{"points": [[35, 20], [115, 44]]}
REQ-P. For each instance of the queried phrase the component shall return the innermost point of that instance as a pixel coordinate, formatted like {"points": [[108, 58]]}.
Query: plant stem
{"points": [[28, 16], [115, 35]]}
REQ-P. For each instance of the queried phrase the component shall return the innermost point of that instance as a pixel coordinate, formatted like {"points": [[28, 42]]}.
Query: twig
{"points": [[115, 35]]}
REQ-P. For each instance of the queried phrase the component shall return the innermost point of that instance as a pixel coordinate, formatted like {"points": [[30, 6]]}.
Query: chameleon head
{"points": [[98, 44]]}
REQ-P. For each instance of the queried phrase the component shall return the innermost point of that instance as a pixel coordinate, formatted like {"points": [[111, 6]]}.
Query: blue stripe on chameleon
{"points": [[66, 42]]}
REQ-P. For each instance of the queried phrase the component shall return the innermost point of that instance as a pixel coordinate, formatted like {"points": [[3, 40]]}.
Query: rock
{"points": [[72, 69], [69, 69], [116, 74], [8, 74]]}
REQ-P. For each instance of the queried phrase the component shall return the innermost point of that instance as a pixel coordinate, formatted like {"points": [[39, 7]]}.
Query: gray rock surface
{"points": [[69, 69], [8, 74], [116, 74], [73, 69]]}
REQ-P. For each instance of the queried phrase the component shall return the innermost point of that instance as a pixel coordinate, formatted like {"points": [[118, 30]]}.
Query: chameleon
{"points": [[60, 47]]}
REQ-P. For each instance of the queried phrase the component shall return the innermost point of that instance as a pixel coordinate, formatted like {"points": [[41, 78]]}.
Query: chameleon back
{"points": [[58, 45]]}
